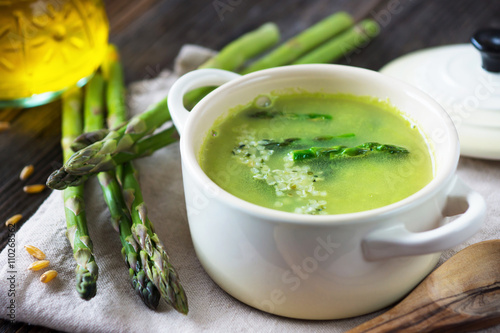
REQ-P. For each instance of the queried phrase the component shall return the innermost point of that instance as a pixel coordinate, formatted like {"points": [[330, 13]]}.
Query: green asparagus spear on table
{"points": [[142, 148], [153, 259], [93, 107], [343, 151], [342, 45], [153, 254], [121, 140], [88, 138], [303, 42], [115, 96], [61, 179], [74, 207], [115, 89], [249, 45], [120, 217]]}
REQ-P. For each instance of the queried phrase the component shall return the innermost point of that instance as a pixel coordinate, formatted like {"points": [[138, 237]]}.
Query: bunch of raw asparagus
{"points": [[150, 271], [90, 149]]}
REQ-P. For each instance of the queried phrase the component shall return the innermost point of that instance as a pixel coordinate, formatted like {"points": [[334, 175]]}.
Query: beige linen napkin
{"points": [[117, 308]]}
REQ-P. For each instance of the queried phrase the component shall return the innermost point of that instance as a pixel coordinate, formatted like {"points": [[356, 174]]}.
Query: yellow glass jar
{"points": [[47, 46]]}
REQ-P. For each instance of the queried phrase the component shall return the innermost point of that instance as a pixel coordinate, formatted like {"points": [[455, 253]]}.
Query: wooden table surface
{"points": [[149, 34]]}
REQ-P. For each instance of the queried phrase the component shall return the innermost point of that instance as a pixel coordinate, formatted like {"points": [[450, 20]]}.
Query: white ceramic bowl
{"points": [[326, 266]]}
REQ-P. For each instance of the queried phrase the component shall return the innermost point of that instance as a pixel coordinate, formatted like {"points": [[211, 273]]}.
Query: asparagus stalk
{"points": [[115, 93], [93, 109], [88, 138], [115, 101], [121, 140], [74, 207], [236, 53], [115, 97], [343, 44], [303, 42], [343, 151], [61, 178], [153, 256], [273, 144], [120, 218]]}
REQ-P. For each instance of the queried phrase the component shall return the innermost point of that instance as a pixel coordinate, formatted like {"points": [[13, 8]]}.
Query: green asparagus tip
{"points": [[86, 139], [82, 161], [168, 284], [181, 303], [176, 296], [370, 27], [60, 180], [145, 289], [86, 283], [343, 151], [303, 154]]}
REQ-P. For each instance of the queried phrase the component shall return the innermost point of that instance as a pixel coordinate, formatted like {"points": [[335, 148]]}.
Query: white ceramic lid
{"points": [[454, 77]]}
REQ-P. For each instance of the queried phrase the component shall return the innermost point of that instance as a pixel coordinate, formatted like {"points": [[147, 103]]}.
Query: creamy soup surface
{"points": [[317, 153]]}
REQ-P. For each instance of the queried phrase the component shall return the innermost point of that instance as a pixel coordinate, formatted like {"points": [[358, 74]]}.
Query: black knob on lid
{"points": [[487, 41]]}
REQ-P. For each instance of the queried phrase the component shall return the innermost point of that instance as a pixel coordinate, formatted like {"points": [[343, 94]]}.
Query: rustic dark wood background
{"points": [[149, 34]]}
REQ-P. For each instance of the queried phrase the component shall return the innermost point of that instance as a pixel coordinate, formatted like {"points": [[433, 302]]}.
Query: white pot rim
{"points": [[439, 181]]}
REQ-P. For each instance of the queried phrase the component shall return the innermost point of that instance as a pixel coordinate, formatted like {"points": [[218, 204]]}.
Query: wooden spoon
{"points": [[462, 295]]}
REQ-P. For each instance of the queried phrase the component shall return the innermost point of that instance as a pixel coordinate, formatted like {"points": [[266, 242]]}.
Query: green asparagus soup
{"points": [[315, 153]]}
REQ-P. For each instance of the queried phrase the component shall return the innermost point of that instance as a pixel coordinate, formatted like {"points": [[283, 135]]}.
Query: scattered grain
{"points": [[26, 172], [35, 188], [48, 276], [13, 220], [37, 265], [35, 252]]}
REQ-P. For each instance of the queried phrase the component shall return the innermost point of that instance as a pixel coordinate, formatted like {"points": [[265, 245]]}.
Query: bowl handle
{"points": [[397, 241], [196, 79]]}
